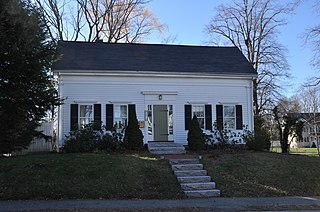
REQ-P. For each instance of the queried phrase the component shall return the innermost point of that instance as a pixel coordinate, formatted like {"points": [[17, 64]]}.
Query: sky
{"points": [[186, 19]]}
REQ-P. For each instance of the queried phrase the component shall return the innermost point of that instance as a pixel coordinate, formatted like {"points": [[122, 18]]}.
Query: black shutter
{"points": [[187, 116], [109, 116], [219, 113], [131, 109], [208, 117], [74, 116], [97, 117], [239, 124]]}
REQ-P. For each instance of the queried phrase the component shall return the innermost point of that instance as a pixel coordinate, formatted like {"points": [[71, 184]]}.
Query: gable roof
{"points": [[105, 57]]}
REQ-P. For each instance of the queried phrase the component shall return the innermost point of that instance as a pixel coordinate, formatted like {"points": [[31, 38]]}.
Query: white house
{"points": [[310, 132], [165, 84]]}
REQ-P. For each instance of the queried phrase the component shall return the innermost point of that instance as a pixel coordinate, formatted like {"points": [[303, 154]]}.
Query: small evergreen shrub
{"points": [[133, 137], [260, 139], [196, 138]]}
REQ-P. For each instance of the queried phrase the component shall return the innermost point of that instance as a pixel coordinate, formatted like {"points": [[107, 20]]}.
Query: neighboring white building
{"points": [[310, 133], [165, 84]]}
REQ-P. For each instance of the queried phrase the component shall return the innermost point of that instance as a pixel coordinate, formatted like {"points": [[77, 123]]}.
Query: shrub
{"points": [[260, 140], [113, 142], [133, 137], [224, 138], [87, 139], [81, 140], [196, 138]]}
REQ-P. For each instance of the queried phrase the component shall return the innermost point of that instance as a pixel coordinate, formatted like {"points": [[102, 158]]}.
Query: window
{"points": [[198, 110], [229, 117], [86, 115], [170, 120], [149, 119], [120, 116]]}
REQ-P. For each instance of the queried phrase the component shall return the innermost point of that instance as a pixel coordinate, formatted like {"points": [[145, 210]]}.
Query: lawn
{"points": [[264, 174], [86, 176], [302, 151], [142, 176]]}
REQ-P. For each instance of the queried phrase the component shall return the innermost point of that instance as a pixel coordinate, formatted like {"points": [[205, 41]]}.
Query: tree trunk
{"points": [[255, 98]]}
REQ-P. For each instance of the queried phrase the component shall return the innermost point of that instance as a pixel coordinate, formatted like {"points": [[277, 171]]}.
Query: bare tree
{"points": [[309, 98], [312, 38], [64, 18], [108, 20], [252, 26], [288, 121]]}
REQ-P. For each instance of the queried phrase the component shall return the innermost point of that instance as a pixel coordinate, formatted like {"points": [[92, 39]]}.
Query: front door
{"points": [[160, 121]]}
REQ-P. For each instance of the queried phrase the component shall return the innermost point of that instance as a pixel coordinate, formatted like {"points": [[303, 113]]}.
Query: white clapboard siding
{"points": [[186, 90]]}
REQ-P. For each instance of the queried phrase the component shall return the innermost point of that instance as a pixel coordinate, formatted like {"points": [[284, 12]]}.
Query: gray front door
{"points": [[160, 118]]}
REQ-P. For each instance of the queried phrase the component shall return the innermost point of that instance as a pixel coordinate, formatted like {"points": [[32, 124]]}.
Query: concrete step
{"points": [[164, 144], [194, 179], [198, 186], [187, 167], [169, 151], [203, 193], [183, 161], [185, 173], [164, 148]]}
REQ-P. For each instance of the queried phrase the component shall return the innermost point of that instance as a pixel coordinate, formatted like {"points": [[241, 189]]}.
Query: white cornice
{"points": [[155, 74]]}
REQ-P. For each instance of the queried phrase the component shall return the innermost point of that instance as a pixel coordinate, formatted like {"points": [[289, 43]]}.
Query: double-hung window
{"points": [[229, 116], [120, 116], [198, 110], [86, 115]]}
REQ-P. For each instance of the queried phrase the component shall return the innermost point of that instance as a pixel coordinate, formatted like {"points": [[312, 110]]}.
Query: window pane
{"points": [[124, 111], [85, 110], [201, 122], [229, 123], [170, 120], [229, 111], [149, 123]]}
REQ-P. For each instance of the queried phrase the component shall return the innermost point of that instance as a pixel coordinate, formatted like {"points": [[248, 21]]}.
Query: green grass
{"points": [[264, 174], [141, 176], [81, 176], [303, 151]]}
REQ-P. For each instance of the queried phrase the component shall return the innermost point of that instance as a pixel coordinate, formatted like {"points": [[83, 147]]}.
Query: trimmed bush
{"points": [[133, 137], [196, 139]]}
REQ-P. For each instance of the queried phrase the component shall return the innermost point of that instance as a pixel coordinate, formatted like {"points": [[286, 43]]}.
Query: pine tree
{"points": [[133, 138], [196, 139], [26, 88]]}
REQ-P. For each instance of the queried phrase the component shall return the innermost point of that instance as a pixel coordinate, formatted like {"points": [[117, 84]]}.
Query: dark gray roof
{"points": [[99, 56]]}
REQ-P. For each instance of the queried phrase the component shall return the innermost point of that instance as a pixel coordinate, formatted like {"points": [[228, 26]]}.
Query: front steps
{"points": [[166, 148], [193, 178]]}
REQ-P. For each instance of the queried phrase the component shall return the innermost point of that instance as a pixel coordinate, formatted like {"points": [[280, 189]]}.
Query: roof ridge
{"points": [[147, 44]]}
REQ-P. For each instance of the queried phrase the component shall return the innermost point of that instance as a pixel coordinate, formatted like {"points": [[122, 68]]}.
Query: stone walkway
{"points": [[211, 204]]}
